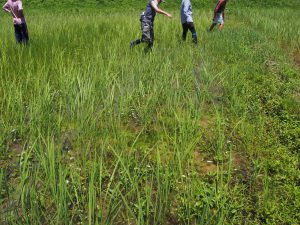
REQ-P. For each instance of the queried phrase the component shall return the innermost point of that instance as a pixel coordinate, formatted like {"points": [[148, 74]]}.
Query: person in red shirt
{"points": [[219, 15]]}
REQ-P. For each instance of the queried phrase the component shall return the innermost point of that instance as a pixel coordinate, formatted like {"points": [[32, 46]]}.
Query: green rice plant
{"points": [[92, 132]]}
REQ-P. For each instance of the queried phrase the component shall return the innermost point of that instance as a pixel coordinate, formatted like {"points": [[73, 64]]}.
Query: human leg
{"points": [[212, 26], [221, 21], [24, 33], [184, 31], [136, 42], [221, 26], [217, 20], [18, 33], [193, 31], [140, 40], [150, 41], [147, 32]]}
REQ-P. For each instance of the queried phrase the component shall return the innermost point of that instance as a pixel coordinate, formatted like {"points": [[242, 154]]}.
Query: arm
{"points": [[20, 9], [6, 7], [158, 10], [185, 7]]}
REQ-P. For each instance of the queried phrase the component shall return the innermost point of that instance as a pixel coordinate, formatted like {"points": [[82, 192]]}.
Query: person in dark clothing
{"points": [[187, 20], [147, 22], [219, 15]]}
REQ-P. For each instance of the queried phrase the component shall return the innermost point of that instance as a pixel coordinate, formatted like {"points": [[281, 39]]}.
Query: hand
{"points": [[169, 15], [18, 20]]}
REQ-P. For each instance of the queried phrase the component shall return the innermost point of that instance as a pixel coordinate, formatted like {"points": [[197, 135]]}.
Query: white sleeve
{"points": [[20, 6], [6, 6]]}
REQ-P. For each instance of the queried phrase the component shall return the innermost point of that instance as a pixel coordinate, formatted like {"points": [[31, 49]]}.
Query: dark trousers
{"points": [[189, 26], [21, 33], [147, 34]]}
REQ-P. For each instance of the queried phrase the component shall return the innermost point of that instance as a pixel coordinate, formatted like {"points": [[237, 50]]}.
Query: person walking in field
{"points": [[187, 20], [15, 7], [219, 15], [147, 23]]}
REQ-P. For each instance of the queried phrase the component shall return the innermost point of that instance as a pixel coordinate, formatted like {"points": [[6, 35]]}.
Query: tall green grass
{"points": [[95, 133]]}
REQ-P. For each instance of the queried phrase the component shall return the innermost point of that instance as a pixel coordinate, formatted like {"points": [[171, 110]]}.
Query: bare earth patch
{"points": [[296, 56], [203, 165], [241, 166]]}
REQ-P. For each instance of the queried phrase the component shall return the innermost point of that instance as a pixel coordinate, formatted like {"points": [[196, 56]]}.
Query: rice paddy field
{"points": [[92, 132]]}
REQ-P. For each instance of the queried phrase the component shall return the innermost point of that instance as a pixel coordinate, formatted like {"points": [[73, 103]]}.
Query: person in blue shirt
{"points": [[147, 22], [187, 20]]}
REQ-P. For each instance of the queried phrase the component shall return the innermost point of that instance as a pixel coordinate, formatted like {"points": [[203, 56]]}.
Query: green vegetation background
{"points": [[138, 4], [87, 136]]}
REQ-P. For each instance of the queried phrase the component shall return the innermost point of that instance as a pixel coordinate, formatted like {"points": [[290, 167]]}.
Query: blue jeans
{"points": [[21, 33]]}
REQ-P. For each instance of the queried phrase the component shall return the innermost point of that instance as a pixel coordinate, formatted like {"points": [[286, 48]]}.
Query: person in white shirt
{"points": [[187, 20], [15, 7]]}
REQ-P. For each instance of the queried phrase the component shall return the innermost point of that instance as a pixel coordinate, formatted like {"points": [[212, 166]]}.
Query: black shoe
{"points": [[148, 49]]}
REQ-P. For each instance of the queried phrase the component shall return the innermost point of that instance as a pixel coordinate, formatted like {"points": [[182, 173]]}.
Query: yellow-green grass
{"points": [[92, 132]]}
